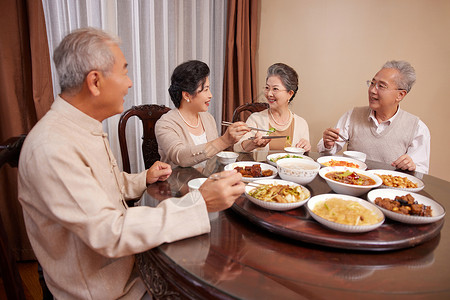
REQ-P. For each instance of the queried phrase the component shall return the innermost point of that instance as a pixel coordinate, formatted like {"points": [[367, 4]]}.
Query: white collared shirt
{"points": [[419, 150]]}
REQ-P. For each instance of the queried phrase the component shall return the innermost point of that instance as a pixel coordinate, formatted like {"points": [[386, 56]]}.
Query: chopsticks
{"points": [[343, 138], [224, 123]]}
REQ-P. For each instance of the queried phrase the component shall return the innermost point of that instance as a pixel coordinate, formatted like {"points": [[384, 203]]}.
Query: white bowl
{"points": [[194, 184], [420, 184], [349, 189], [343, 227], [243, 164], [356, 155], [274, 205], [227, 157], [298, 170], [324, 159], [272, 158], [437, 210], [294, 150]]}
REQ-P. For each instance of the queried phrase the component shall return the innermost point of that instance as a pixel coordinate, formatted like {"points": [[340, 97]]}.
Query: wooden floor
{"points": [[28, 272]]}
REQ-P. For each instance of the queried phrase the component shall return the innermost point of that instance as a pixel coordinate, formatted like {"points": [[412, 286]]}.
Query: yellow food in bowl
{"points": [[345, 212]]}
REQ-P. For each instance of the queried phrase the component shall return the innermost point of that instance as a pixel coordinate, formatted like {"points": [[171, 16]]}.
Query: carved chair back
{"points": [[148, 114], [247, 109]]}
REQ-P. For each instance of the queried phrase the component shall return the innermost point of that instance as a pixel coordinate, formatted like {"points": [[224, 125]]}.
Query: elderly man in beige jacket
{"points": [[73, 194]]}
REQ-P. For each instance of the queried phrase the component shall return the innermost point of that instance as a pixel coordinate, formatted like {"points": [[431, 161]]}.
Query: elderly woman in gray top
{"points": [[187, 135]]}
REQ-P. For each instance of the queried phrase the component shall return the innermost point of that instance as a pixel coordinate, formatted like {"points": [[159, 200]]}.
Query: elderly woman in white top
{"points": [[281, 87]]}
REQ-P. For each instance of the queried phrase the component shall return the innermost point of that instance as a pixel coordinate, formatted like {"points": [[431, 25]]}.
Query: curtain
{"points": [[240, 66], [156, 37], [26, 95]]}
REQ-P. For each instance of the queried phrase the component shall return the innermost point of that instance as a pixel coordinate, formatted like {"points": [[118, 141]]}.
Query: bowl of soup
{"points": [[298, 170], [349, 181]]}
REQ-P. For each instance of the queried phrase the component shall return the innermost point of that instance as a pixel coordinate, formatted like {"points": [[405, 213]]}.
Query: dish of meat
{"points": [[437, 210], [252, 171]]}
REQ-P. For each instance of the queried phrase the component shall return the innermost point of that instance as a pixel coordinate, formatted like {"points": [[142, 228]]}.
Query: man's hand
{"points": [[158, 171], [404, 162], [303, 143], [220, 194], [330, 136]]}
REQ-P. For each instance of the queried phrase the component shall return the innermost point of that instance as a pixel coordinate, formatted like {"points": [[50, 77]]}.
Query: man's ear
{"points": [[93, 82], [401, 95]]}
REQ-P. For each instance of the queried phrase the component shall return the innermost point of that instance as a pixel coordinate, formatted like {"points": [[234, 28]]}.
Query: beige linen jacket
{"points": [[175, 144], [261, 120], [73, 198]]}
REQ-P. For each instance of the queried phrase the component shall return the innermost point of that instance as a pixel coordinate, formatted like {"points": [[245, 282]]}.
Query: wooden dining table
{"points": [[254, 253]]}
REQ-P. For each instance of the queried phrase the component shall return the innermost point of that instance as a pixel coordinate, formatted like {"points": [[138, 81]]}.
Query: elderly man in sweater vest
{"points": [[383, 130], [73, 193]]}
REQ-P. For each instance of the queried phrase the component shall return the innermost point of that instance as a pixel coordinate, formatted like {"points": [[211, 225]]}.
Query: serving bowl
{"points": [[227, 157], [324, 159], [349, 189], [275, 205], [344, 227], [194, 184], [272, 158], [298, 170], [294, 150], [420, 184], [437, 210], [244, 164], [361, 156]]}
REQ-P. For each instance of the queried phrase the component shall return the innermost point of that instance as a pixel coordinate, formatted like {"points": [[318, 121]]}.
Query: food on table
{"points": [[405, 205], [253, 171], [339, 163], [350, 177], [274, 159], [279, 193], [346, 212], [397, 181]]}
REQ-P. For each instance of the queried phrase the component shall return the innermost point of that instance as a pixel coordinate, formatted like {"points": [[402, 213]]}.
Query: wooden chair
{"points": [[9, 153], [148, 114], [247, 109]]}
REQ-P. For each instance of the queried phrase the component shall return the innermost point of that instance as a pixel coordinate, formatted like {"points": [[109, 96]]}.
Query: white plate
{"points": [[264, 166], [343, 227], [276, 155], [274, 205], [437, 210], [323, 159], [420, 184], [294, 150]]}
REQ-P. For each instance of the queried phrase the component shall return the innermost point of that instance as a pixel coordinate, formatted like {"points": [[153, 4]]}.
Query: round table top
{"points": [[242, 258]]}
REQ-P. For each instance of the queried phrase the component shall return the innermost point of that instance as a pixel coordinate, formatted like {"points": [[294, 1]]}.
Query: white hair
{"points": [[79, 53], [407, 74]]}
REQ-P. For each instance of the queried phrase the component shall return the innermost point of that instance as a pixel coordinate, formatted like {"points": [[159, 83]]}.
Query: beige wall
{"points": [[335, 46]]}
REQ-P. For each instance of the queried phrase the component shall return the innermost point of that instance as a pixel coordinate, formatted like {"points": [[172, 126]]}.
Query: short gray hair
{"points": [[407, 74], [288, 76], [80, 52]]}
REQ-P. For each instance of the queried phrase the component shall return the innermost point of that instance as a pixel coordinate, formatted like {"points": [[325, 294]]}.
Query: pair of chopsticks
{"points": [[343, 138], [224, 123]]}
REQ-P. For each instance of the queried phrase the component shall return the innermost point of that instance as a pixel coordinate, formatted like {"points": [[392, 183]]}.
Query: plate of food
{"points": [[345, 213], [406, 207], [252, 171], [399, 181], [272, 158], [277, 194], [340, 161], [349, 181]]}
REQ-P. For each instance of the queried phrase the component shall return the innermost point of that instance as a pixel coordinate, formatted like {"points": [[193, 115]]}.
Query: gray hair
{"points": [[407, 74], [287, 75], [79, 53]]}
